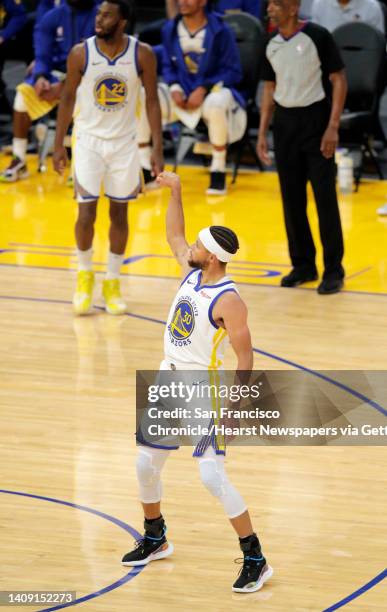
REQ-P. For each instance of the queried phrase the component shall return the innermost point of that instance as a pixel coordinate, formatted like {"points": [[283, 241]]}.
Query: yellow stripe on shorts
{"points": [[36, 107]]}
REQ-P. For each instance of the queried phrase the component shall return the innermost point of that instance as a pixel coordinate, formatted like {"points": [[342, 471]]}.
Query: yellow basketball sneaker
{"points": [[114, 302], [83, 296]]}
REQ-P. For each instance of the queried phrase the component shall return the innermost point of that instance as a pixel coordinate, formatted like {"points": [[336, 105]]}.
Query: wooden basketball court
{"points": [[69, 508]]}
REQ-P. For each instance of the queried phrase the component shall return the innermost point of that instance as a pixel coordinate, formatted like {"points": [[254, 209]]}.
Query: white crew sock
{"points": [[84, 260], [114, 264], [145, 157], [218, 163], [19, 148]]}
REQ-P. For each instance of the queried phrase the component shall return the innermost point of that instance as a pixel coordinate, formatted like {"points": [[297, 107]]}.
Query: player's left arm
{"points": [[230, 312], [148, 73]]}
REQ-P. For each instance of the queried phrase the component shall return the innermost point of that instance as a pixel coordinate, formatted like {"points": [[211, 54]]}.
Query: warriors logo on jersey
{"points": [[183, 321], [110, 92], [191, 334]]}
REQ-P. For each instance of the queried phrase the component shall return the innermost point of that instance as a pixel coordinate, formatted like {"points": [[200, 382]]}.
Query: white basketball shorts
{"points": [[112, 163]]}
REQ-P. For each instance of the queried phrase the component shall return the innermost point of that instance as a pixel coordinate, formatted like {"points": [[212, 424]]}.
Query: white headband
{"points": [[211, 245]]}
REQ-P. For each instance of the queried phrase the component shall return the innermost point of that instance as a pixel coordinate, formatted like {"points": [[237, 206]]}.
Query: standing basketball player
{"points": [[209, 301], [104, 76]]}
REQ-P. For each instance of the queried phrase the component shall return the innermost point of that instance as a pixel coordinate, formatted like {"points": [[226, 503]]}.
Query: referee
{"points": [[306, 85]]}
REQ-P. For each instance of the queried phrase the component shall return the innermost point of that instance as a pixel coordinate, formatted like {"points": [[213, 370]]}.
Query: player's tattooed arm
{"points": [[230, 312], [75, 67], [175, 225], [148, 72]]}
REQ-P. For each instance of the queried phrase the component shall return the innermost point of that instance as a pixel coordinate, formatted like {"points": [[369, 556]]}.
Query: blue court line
{"points": [[293, 364], [359, 592], [31, 251], [363, 398], [162, 277], [110, 587], [41, 246], [332, 381]]}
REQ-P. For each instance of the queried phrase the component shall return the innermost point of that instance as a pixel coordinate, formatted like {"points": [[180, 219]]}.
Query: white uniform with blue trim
{"points": [[105, 125], [192, 339]]}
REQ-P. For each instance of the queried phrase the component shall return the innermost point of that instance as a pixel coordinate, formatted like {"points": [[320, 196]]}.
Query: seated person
{"points": [[40, 93], [333, 13], [254, 7], [13, 18], [201, 69]]}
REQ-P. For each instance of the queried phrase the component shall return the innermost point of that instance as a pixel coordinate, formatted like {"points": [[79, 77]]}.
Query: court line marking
{"points": [[162, 277], [110, 587], [295, 365], [369, 585], [355, 594]]}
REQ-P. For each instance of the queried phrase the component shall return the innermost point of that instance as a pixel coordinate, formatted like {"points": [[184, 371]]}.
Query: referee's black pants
{"points": [[297, 141]]}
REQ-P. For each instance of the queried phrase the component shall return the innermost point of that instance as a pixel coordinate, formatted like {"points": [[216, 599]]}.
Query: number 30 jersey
{"points": [[108, 94], [192, 336]]}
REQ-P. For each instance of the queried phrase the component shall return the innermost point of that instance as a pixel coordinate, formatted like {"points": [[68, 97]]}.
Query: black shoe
{"points": [[330, 285], [298, 277], [151, 547], [217, 184], [255, 571]]}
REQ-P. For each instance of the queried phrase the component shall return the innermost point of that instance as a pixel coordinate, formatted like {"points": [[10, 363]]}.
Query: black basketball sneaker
{"points": [[151, 547], [255, 570], [217, 184]]}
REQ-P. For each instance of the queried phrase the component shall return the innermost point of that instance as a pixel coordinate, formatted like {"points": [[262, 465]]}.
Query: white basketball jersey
{"points": [[191, 335], [108, 93]]}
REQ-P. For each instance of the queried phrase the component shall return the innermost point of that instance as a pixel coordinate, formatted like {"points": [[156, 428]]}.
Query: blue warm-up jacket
{"points": [[13, 17], [59, 30], [219, 63], [254, 7]]}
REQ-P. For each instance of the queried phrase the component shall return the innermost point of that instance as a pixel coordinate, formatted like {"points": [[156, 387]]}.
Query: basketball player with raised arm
{"points": [[103, 83], [216, 313]]}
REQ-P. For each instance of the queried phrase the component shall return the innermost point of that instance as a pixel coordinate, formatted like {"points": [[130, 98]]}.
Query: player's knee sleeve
{"points": [[19, 104], [215, 480], [211, 477], [148, 466]]}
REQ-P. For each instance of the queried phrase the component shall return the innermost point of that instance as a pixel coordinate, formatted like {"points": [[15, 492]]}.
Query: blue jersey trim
{"points": [[136, 58], [188, 275], [213, 304], [129, 197], [110, 61], [198, 286], [86, 58], [88, 197], [142, 443]]}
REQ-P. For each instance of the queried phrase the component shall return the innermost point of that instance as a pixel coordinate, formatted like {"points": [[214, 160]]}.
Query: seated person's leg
{"points": [[28, 106], [17, 169], [215, 109], [226, 122], [144, 131]]}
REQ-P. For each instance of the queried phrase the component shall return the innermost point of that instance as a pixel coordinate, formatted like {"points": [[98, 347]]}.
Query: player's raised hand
{"points": [[60, 159], [168, 179]]}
